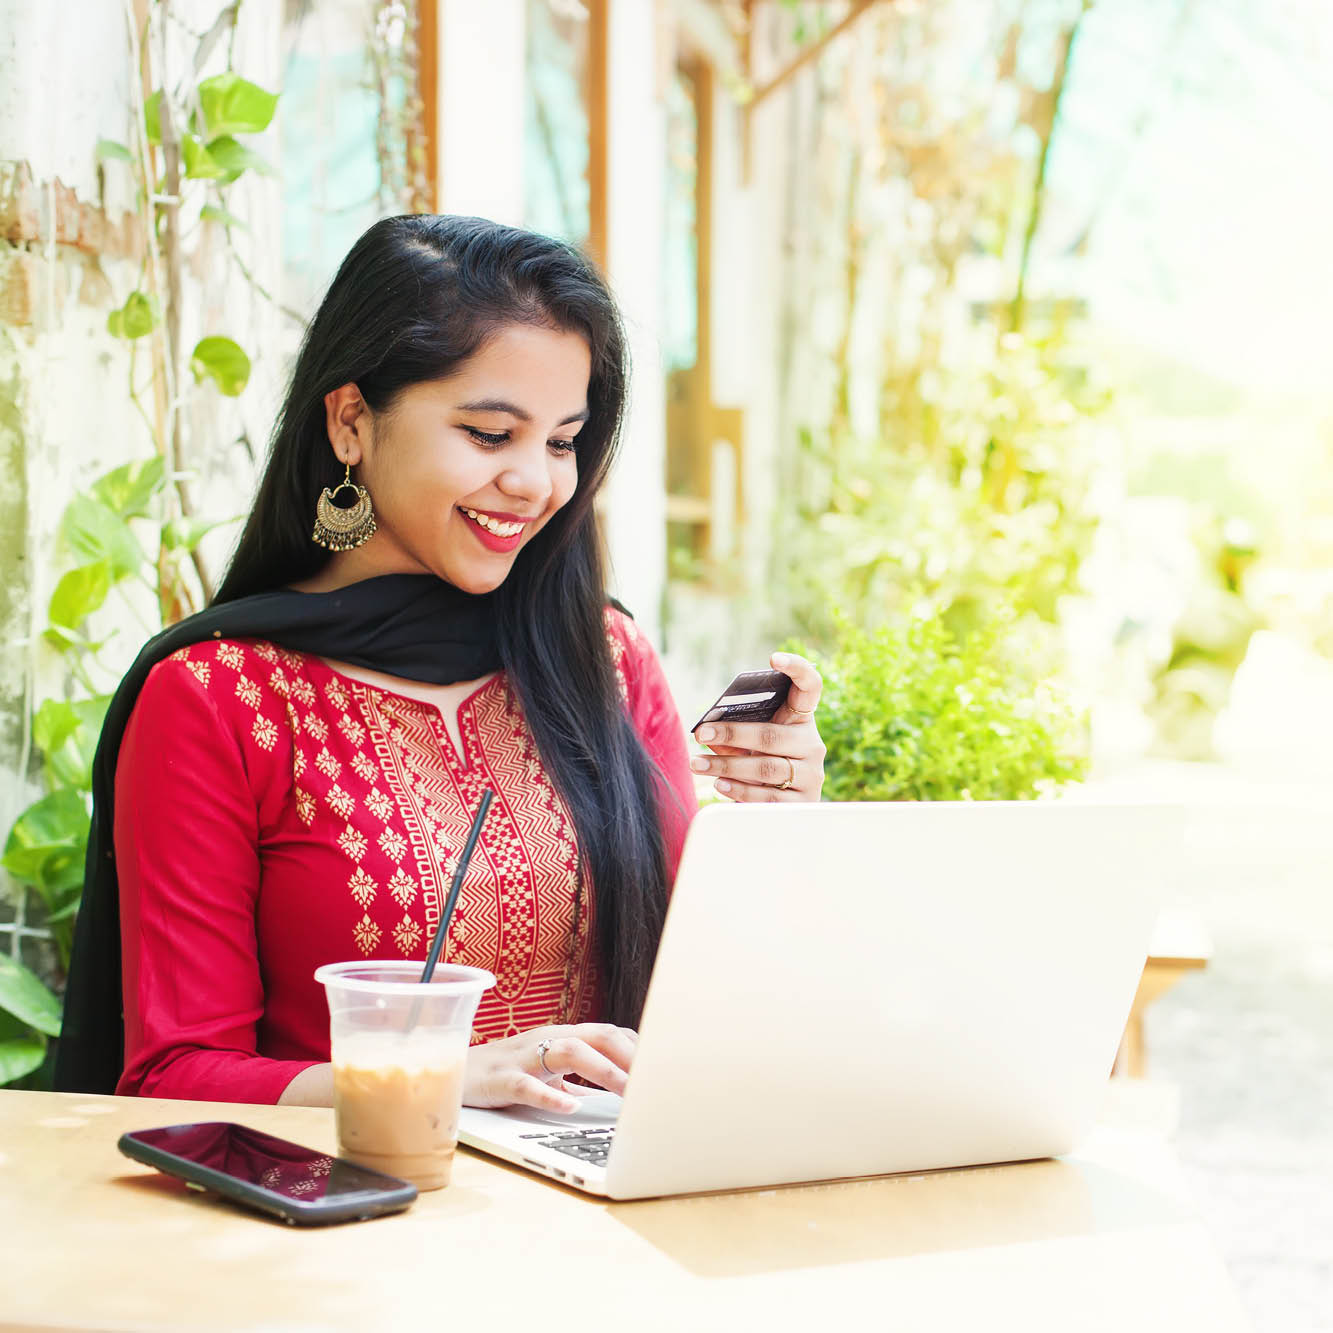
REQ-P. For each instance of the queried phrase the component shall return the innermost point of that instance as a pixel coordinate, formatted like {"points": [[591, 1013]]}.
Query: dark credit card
{"points": [[754, 696]]}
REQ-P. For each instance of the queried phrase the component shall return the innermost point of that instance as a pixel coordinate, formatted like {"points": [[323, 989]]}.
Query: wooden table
{"points": [[1105, 1240]]}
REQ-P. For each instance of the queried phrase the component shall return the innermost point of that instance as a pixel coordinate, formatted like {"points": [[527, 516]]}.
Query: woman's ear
{"points": [[348, 420]]}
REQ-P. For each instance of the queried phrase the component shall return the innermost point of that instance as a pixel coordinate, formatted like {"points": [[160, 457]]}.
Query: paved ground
{"points": [[1249, 1041]]}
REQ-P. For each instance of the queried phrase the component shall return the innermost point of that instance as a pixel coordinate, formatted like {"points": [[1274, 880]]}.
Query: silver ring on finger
{"points": [[542, 1047], [791, 778]]}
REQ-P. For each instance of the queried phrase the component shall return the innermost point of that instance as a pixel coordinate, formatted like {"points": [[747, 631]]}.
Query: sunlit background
{"points": [[982, 350]]}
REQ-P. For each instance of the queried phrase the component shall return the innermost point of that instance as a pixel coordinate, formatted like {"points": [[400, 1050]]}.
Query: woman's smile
{"points": [[493, 534]]}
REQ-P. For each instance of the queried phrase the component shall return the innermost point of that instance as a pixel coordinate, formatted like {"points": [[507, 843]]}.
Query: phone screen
{"points": [[263, 1160]]}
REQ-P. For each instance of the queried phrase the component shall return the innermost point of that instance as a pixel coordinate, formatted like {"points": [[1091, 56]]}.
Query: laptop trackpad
{"points": [[595, 1108]]}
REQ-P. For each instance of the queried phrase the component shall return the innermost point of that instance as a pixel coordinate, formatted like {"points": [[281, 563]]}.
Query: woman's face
{"points": [[463, 472]]}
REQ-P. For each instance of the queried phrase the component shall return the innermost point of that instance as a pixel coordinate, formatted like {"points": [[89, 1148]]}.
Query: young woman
{"points": [[286, 779]]}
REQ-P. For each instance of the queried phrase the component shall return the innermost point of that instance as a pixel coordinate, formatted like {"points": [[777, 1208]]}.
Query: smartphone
{"points": [[299, 1185], [753, 696]]}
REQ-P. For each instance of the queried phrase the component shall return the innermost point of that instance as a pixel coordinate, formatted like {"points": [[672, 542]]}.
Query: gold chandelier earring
{"points": [[340, 528]]}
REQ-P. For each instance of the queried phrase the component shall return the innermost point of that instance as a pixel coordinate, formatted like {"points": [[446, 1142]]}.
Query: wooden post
{"points": [[428, 82], [599, 18]]}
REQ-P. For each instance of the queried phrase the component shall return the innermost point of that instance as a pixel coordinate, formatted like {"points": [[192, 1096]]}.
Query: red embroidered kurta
{"points": [[273, 815]]}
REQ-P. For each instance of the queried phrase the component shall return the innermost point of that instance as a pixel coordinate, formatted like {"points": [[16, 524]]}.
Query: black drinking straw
{"points": [[437, 944]]}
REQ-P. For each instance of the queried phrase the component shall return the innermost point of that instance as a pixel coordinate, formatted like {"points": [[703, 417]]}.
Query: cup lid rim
{"points": [[475, 978]]}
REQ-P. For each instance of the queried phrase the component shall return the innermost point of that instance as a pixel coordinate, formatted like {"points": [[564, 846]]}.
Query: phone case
{"points": [[753, 696], [391, 1196]]}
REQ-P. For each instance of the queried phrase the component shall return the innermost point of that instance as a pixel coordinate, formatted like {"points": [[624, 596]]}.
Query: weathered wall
{"points": [[65, 243]]}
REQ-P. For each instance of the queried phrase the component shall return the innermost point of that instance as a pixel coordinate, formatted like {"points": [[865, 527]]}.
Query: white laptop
{"points": [[861, 989]]}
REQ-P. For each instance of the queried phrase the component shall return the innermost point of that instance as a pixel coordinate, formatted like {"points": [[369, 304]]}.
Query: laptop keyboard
{"points": [[592, 1146]]}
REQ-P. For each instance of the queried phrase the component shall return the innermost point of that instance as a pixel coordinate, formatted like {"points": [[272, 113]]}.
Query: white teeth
{"points": [[494, 525]]}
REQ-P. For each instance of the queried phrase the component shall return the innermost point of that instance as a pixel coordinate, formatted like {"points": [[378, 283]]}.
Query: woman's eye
{"points": [[482, 437], [564, 446]]}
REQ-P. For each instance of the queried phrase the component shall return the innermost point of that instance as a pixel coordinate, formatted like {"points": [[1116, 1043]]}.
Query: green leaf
{"points": [[234, 157], [20, 1056], [67, 735], [222, 361], [23, 994], [152, 111], [96, 532], [127, 490], [79, 593], [138, 316], [53, 723], [109, 148], [184, 534], [233, 105], [215, 214], [199, 162], [46, 846]]}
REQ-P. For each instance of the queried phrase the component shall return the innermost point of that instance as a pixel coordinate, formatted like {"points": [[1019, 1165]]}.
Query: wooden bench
{"points": [[1179, 945]]}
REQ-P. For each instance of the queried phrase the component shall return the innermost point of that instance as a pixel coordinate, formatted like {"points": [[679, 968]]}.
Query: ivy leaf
{"points": [[127, 490], [199, 162], [53, 723], [67, 735], [184, 534], [78, 594], [234, 157], [138, 316], [215, 214], [109, 148], [152, 114], [20, 1056], [97, 532], [223, 361], [23, 994], [233, 105], [48, 843]]}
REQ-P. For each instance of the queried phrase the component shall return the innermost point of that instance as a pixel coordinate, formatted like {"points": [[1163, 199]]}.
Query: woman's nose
{"points": [[528, 476]]}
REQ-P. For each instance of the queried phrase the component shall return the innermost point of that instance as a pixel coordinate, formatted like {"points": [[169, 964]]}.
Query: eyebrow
{"points": [[499, 405]]}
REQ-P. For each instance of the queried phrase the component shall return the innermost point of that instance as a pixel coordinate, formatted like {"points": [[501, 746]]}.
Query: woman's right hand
{"points": [[509, 1072]]}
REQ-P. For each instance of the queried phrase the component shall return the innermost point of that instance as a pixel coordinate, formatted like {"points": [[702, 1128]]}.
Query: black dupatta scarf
{"points": [[410, 625]]}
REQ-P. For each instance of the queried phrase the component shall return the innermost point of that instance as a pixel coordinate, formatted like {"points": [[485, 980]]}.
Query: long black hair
{"points": [[415, 298]]}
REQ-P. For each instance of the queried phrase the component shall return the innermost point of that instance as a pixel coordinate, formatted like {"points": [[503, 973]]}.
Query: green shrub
{"points": [[911, 713]]}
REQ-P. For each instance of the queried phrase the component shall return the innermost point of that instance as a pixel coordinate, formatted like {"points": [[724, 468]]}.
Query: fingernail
{"points": [[706, 733], [699, 764], [781, 658], [722, 784]]}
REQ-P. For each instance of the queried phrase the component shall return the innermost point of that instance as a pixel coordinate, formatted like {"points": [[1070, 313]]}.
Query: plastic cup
{"points": [[399, 1048]]}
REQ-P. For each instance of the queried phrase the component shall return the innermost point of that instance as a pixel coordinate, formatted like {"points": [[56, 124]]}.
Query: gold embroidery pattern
{"points": [[407, 936], [340, 802], [353, 842], [367, 935], [393, 844], [362, 887], [403, 887]]}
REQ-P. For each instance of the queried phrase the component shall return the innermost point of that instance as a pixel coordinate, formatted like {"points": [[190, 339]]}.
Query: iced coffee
{"points": [[396, 1099], [399, 1050]]}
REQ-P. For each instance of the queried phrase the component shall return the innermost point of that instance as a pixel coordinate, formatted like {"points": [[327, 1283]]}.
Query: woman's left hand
{"points": [[781, 760]]}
